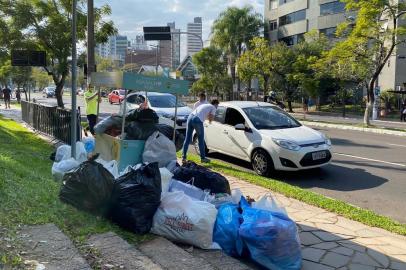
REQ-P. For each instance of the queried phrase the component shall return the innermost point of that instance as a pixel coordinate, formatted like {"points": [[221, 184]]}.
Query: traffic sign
{"points": [[157, 33], [25, 58]]}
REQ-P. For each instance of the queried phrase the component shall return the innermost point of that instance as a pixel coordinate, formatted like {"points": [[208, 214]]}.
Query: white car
{"points": [[266, 136], [163, 104]]}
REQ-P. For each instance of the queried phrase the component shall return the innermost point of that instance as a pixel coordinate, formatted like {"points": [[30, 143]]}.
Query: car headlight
{"points": [[287, 144], [326, 139], [165, 115]]}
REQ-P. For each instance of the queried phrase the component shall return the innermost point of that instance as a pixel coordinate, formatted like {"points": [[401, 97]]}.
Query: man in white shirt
{"points": [[195, 122], [202, 100]]}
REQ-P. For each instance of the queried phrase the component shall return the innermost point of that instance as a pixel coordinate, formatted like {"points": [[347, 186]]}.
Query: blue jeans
{"points": [[194, 123]]}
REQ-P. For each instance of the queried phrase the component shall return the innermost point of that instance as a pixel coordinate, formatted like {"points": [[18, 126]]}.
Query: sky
{"points": [[130, 16]]}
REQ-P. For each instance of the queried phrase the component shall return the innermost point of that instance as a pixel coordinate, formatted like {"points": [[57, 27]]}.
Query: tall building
{"points": [[170, 49], [289, 20], [194, 43], [118, 47], [139, 43]]}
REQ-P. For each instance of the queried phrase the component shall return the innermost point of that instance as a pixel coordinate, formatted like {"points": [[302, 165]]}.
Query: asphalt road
{"points": [[368, 170]]}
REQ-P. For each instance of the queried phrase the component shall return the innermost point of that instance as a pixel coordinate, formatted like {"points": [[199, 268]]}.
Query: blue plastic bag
{"points": [[271, 238], [90, 144], [226, 228]]}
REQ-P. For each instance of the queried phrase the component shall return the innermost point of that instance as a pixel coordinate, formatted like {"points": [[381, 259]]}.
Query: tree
{"points": [[256, 62], [106, 64], [46, 25], [21, 76], [233, 30], [212, 69], [40, 78], [308, 52], [372, 37]]}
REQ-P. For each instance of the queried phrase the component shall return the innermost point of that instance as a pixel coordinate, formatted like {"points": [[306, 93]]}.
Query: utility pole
{"points": [[91, 63], [74, 118]]}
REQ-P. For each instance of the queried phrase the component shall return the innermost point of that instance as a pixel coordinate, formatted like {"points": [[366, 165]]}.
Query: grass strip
{"points": [[29, 195], [344, 209]]}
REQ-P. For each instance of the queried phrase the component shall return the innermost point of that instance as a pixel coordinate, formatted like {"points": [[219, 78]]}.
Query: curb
{"points": [[348, 127]]}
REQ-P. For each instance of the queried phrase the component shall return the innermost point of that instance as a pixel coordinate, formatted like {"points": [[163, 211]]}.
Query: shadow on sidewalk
{"points": [[330, 177]]}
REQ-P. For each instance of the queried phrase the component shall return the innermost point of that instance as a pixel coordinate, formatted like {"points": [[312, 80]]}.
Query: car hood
{"points": [[182, 111], [301, 135]]}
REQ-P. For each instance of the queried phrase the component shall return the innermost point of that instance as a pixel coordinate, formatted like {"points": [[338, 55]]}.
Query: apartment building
{"points": [[289, 20], [194, 43]]}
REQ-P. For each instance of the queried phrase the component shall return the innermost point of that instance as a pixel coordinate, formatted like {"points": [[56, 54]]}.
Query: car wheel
{"points": [[197, 148], [262, 163]]}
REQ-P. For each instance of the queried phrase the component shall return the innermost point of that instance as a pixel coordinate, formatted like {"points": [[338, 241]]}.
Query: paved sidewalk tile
{"points": [[333, 242]]}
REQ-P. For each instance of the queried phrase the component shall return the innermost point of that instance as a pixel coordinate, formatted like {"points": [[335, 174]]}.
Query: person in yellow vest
{"points": [[91, 99]]}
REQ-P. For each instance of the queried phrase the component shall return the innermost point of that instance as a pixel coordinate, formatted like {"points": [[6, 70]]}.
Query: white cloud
{"points": [[130, 16]]}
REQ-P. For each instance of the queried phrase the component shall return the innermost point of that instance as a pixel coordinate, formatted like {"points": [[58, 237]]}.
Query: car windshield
{"points": [[164, 101], [268, 117]]}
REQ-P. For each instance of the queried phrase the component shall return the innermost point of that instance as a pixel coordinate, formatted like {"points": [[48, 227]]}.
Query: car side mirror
{"points": [[239, 127]]}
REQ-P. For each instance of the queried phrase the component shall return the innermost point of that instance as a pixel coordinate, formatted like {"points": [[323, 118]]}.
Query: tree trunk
{"points": [[25, 93], [367, 114], [290, 106], [344, 101], [58, 90]]}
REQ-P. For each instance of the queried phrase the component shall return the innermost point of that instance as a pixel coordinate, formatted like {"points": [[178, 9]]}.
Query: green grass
{"points": [[342, 208], [29, 195]]}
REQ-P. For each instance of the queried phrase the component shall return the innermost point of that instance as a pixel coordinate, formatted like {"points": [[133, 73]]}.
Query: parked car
{"points": [[266, 136], [164, 105], [80, 92], [116, 96], [49, 91]]}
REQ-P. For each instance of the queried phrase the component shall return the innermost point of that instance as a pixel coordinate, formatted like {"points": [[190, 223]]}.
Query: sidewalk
{"points": [[352, 120], [333, 242]]}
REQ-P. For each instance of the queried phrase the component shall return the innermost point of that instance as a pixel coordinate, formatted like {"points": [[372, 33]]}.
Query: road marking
{"points": [[393, 144], [370, 159]]}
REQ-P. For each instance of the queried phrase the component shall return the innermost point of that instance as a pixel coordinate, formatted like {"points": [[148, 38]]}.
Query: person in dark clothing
{"points": [[18, 95], [403, 112], [7, 96]]}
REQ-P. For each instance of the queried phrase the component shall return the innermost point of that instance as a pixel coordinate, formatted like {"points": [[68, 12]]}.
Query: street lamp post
{"points": [[74, 77]]}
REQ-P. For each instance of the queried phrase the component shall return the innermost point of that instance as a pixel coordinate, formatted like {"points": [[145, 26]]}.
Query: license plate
{"points": [[319, 155]]}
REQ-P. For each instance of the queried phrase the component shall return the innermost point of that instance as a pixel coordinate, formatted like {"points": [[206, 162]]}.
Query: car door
{"points": [[237, 141], [213, 131]]}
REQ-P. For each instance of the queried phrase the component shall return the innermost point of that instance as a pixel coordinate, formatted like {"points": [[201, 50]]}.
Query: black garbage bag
{"points": [[113, 121], [136, 197], [142, 115], [88, 188], [139, 130], [202, 178], [168, 132]]}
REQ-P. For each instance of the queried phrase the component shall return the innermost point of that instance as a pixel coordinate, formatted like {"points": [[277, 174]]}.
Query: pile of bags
{"points": [[140, 125], [188, 204]]}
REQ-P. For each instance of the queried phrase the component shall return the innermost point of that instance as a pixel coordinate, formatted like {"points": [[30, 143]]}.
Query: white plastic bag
{"points": [[59, 169], [193, 192], [166, 177], [236, 195], [64, 152], [158, 148], [81, 154], [179, 218], [111, 166], [267, 202]]}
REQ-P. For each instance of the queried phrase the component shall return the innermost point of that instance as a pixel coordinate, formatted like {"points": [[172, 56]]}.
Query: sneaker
{"points": [[184, 161], [205, 160]]}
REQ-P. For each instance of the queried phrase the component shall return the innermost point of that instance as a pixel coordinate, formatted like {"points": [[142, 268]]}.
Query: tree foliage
{"points": [[233, 29], [369, 41], [213, 71], [46, 25]]}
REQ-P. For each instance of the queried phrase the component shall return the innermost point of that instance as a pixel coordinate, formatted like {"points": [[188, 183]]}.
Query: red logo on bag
{"points": [[179, 223]]}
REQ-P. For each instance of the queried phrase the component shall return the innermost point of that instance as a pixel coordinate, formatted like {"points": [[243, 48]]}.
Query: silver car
{"points": [[163, 104]]}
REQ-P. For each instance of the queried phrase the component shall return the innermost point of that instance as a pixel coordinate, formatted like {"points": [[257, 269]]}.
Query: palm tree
{"points": [[233, 30]]}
